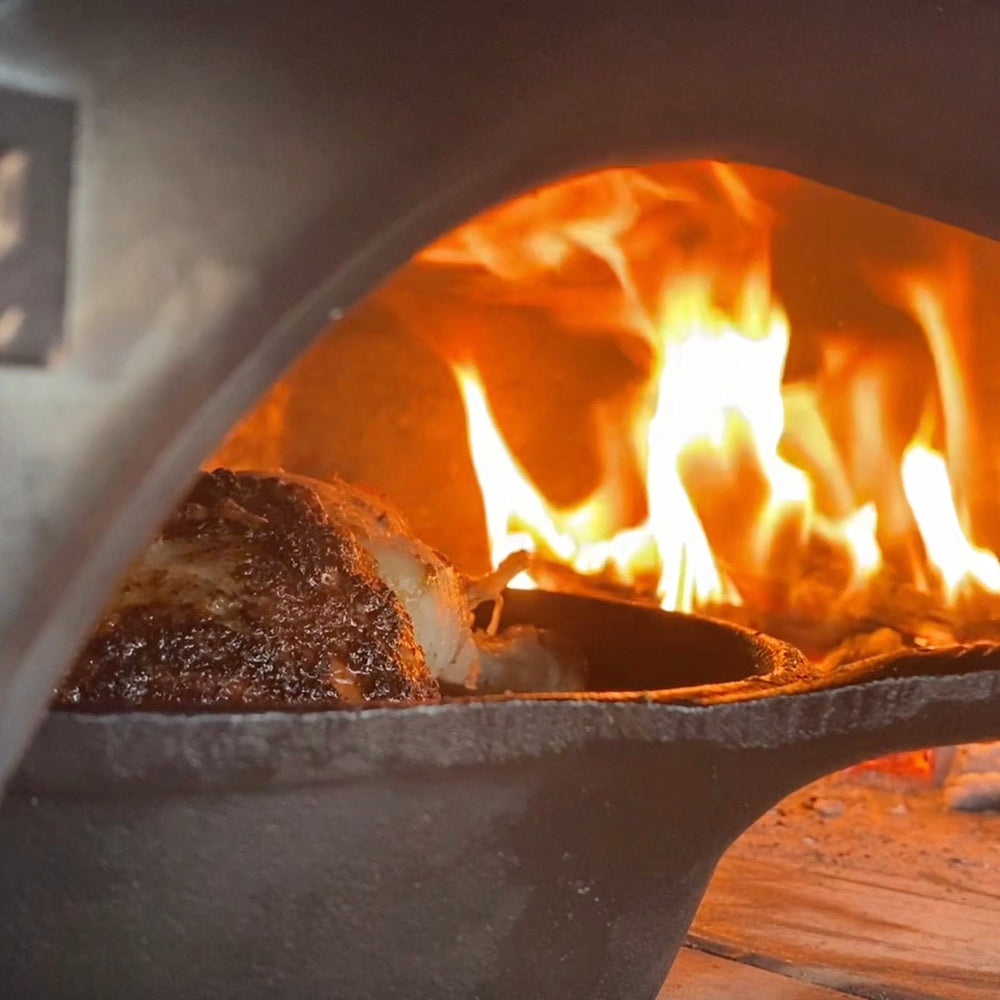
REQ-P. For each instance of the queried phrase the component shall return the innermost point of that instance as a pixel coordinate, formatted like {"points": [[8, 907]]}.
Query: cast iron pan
{"points": [[529, 848]]}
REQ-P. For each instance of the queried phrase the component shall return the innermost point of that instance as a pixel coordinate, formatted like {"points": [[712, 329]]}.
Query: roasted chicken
{"points": [[277, 591], [251, 597]]}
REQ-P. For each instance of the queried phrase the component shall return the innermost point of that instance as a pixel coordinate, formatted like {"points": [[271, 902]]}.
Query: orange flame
{"points": [[724, 501], [928, 489]]}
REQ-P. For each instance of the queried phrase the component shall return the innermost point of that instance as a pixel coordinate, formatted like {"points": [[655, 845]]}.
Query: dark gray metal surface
{"points": [[543, 848], [244, 170]]}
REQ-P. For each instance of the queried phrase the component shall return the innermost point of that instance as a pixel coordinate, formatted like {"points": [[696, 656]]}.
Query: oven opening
{"points": [[701, 386]]}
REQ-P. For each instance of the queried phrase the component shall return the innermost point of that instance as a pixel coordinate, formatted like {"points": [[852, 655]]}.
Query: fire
{"points": [[509, 499], [928, 489], [744, 482], [859, 533]]}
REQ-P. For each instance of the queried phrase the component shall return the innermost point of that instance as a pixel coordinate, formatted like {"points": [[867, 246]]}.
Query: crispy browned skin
{"points": [[250, 598]]}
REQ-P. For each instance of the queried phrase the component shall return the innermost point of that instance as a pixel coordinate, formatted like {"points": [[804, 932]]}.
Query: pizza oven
{"points": [[687, 308]]}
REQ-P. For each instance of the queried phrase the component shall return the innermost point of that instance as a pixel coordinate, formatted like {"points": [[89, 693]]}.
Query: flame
{"points": [[742, 477], [928, 490], [859, 530], [509, 499]]}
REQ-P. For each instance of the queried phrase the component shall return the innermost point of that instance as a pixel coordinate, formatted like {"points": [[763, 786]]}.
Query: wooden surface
{"points": [[865, 893], [697, 976]]}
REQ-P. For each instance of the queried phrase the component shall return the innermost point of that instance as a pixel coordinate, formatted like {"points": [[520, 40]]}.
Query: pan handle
{"points": [[888, 704]]}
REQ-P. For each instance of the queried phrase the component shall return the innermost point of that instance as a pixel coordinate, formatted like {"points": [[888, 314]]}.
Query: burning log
{"points": [[886, 615]]}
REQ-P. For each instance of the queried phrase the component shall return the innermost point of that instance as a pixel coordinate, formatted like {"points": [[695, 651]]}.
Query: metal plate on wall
{"points": [[36, 144]]}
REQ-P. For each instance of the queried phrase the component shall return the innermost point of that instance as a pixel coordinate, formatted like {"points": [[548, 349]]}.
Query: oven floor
{"points": [[849, 890]]}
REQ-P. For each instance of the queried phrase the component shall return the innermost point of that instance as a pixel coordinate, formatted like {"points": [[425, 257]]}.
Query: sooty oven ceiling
{"points": [[243, 171]]}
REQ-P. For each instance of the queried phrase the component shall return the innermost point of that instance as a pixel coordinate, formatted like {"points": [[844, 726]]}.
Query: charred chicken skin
{"points": [[250, 597]]}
